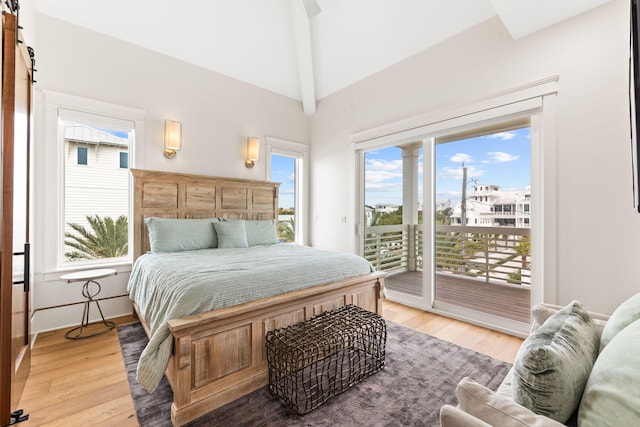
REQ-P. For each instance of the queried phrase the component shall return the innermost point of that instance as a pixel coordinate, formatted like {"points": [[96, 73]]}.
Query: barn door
{"points": [[15, 354]]}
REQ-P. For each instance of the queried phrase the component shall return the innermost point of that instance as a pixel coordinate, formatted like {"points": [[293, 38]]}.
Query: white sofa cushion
{"points": [[495, 410], [612, 394], [554, 363]]}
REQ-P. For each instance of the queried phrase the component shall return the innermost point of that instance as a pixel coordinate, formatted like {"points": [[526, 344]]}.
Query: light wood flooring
{"points": [[82, 383]]}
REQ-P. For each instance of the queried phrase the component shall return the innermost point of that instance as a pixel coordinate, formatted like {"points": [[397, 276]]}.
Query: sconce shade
{"points": [[253, 151], [172, 138]]}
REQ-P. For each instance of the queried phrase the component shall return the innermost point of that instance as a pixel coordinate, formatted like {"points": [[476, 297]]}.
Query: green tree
{"points": [[106, 239], [443, 217], [523, 249], [391, 218], [286, 230]]}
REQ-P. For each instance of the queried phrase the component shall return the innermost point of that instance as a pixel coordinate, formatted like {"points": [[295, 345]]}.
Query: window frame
{"points": [[85, 155], [51, 181], [300, 152], [126, 156]]}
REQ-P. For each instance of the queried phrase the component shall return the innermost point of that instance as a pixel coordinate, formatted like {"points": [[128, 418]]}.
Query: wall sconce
{"points": [[172, 138], [253, 151]]}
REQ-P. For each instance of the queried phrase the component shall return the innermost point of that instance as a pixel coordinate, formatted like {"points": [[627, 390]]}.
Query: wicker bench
{"points": [[314, 360]]}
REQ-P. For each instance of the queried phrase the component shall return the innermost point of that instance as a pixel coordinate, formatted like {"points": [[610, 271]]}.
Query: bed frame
{"points": [[219, 356]]}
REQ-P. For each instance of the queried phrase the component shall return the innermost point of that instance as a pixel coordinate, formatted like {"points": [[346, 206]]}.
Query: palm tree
{"points": [[286, 230], [106, 239]]}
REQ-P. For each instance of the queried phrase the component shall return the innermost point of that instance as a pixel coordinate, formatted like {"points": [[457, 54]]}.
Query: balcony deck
{"points": [[509, 301]]}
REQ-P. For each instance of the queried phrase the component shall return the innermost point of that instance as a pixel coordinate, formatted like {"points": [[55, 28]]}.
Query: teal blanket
{"points": [[172, 285]]}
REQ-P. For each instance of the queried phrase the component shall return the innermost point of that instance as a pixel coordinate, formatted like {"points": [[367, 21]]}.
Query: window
{"points": [[96, 194], [287, 166], [124, 160], [82, 155]]}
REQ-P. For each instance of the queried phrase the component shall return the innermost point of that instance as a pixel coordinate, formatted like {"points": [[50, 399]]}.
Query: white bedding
{"points": [[171, 285]]}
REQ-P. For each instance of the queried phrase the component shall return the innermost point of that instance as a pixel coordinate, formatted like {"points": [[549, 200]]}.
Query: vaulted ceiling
{"points": [[303, 49]]}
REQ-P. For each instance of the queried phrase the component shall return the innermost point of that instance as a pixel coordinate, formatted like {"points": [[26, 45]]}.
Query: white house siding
{"points": [[98, 188]]}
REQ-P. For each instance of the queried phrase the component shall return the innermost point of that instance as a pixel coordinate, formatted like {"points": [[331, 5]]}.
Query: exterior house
{"points": [[96, 174], [489, 206]]}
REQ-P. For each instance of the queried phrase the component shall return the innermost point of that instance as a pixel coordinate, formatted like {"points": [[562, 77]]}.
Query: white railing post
{"points": [[411, 241]]}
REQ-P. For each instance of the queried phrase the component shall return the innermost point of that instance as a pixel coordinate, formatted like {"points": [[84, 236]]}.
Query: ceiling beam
{"points": [[300, 18]]}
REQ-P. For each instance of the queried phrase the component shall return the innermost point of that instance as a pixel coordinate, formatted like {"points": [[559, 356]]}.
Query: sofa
{"points": [[576, 368]]}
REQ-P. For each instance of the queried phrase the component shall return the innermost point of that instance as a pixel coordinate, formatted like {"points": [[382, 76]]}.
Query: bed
{"points": [[217, 354]]}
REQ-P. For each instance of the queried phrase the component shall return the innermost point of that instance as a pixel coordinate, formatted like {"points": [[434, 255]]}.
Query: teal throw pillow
{"points": [[261, 232], [554, 363], [231, 234], [612, 394], [173, 235], [626, 313]]}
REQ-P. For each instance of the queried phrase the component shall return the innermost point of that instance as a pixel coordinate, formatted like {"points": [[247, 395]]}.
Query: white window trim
{"points": [[57, 105], [299, 151], [537, 100]]}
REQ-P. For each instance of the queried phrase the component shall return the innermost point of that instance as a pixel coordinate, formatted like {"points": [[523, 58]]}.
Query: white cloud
{"points": [[456, 173], [461, 158], [381, 175], [395, 187], [504, 136], [379, 170], [502, 157], [384, 165]]}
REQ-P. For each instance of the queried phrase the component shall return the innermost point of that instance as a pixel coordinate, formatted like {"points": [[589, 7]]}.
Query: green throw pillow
{"points": [[231, 234], [612, 394], [172, 235], [554, 363], [261, 232], [626, 313]]}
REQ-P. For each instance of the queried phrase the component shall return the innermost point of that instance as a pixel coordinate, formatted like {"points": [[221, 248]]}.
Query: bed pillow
{"points": [[554, 363], [261, 232], [626, 313], [231, 234], [612, 394], [172, 235]]}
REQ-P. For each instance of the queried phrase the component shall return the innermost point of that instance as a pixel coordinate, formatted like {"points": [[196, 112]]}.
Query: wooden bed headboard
{"points": [[179, 195]]}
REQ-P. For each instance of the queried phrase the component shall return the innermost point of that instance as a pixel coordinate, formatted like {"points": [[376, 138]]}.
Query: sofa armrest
{"points": [[451, 416], [496, 410]]}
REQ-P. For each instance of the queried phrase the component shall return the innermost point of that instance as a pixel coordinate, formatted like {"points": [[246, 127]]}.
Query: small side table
{"points": [[89, 277]]}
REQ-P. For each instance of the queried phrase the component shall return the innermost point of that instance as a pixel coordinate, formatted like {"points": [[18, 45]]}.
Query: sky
{"points": [[502, 159], [283, 171]]}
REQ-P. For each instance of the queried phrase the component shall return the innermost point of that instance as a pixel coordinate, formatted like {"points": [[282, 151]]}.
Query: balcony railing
{"points": [[492, 254]]}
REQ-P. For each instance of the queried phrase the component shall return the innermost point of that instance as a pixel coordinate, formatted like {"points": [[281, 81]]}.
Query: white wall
{"points": [[597, 243], [217, 115]]}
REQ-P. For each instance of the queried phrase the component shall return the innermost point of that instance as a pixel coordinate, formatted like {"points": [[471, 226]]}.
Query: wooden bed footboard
{"points": [[220, 355]]}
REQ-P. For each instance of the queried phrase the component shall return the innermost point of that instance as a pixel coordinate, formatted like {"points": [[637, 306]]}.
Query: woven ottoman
{"points": [[314, 360]]}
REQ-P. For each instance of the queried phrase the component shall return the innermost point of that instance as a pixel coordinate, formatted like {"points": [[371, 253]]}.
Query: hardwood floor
{"points": [[80, 383]]}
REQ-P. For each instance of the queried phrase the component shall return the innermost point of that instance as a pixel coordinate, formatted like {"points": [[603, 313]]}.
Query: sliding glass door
{"points": [[482, 222]]}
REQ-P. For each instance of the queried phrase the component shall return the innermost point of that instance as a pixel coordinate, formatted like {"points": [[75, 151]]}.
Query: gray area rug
{"points": [[420, 375]]}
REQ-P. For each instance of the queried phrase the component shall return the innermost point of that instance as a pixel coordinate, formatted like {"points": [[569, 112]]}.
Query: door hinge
{"points": [[17, 417]]}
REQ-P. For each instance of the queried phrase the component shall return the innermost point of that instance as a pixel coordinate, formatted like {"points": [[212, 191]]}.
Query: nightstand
{"points": [[90, 290]]}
